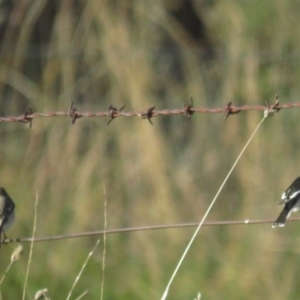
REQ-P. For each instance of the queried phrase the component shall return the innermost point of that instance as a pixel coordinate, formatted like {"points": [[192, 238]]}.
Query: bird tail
{"points": [[282, 218]]}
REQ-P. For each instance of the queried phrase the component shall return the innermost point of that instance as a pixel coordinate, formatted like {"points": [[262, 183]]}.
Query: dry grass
{"points": [[136, 54]]}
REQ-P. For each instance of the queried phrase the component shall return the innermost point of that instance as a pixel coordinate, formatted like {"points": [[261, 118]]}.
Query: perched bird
{"points": [[7, 213], [291, 200]]}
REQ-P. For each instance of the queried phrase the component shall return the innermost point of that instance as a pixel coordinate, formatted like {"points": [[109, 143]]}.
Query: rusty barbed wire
{"points": [[149, 114], [112, 111]]}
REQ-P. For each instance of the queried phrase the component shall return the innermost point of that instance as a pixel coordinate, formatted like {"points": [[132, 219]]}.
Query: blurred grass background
{"points": [[142, 54]]}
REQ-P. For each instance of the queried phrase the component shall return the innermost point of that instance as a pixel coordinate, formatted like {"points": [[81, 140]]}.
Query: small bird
{"points": [[291, 200], [7, 213]]}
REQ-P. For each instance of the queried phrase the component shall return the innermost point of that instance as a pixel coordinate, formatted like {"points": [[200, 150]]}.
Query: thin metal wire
{"points": [[144, 228]]}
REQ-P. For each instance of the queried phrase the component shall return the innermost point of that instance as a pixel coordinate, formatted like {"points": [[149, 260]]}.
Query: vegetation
{"points": [[143, 54]]}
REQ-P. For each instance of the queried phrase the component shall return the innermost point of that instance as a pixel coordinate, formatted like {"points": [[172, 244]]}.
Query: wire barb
{"points": [[27, 118], [149, 114], [73, 113], [112, 112], [188, 109], [229, 110]]}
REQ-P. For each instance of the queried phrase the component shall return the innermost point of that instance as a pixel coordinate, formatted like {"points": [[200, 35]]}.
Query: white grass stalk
{"points": [[31, 245], [80, 273], [82, 295], [14, 257], [165, 294], [104, 244]]}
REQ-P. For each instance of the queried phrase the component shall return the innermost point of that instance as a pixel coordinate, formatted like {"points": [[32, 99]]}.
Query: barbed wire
{"points": [[148, 114], [143, 228]]}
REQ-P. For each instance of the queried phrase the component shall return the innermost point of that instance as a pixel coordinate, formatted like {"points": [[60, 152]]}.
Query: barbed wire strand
{"points": [[150, 113], [142, 228]]}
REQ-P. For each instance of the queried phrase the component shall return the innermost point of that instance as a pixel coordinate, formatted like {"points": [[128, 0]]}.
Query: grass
{"points": [[139, 55]]}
